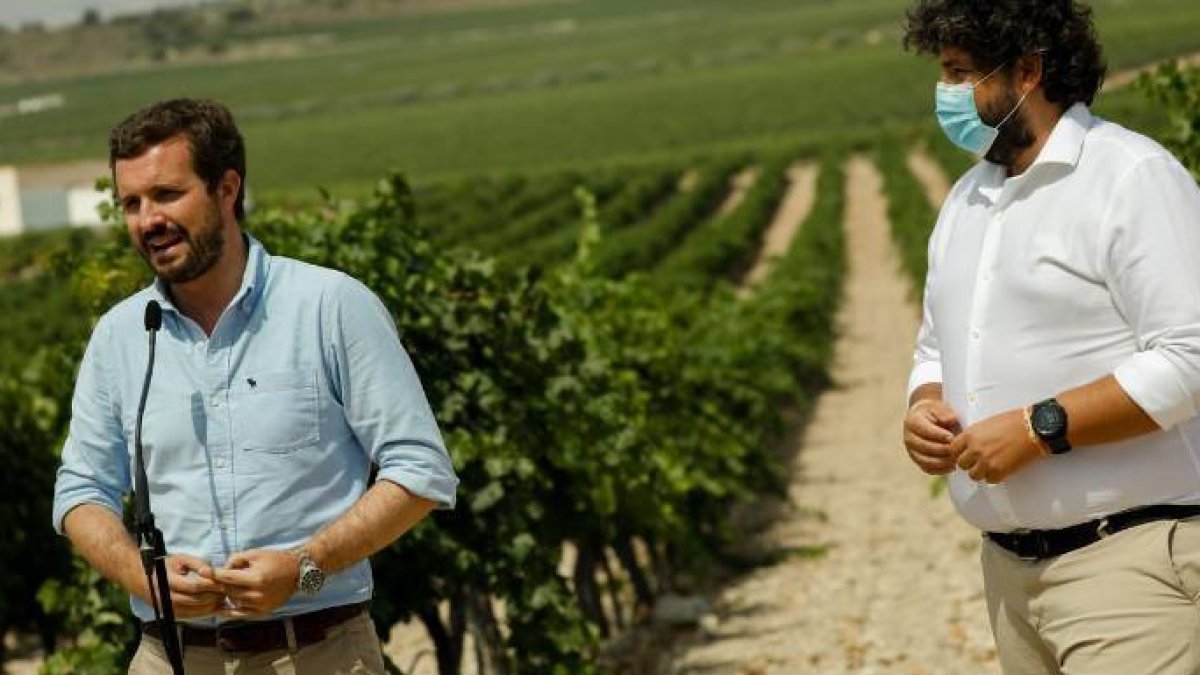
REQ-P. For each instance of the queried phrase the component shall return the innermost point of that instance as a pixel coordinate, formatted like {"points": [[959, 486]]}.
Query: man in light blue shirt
{"points": [[277, 385]]}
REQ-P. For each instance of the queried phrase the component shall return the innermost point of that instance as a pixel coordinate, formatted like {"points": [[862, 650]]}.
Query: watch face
{"points": [[311, 579], [1049, 420]]}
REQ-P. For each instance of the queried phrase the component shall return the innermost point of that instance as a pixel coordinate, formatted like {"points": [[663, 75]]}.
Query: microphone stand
{"points": [[150, 538]]}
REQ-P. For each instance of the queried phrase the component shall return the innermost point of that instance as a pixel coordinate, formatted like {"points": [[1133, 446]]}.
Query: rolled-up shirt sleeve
{"points": [[95, 459], [927, 357], [1151, 237], [384, 402]]}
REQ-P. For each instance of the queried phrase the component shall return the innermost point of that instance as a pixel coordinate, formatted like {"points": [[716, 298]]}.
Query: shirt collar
{"points": [[1063, 148], [1065, 144], [254, 278]]}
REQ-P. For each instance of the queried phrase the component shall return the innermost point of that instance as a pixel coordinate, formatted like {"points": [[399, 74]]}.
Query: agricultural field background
{"points": [[631, 214], [543, 86]]}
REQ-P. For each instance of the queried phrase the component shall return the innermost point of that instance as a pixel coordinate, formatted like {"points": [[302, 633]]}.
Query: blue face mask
{"points": [[959, 118]]}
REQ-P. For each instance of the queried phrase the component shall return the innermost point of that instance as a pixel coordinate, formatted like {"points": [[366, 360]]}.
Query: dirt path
{"points": [[777, 239], [1124, 78], [899, 588], [930, 175], [739, 186]]}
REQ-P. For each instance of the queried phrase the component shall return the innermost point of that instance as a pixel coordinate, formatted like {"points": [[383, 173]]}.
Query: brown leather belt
{"points": [[262, 636]]}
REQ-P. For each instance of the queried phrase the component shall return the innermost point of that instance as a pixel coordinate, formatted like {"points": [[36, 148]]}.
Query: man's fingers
{"points": [[242, 606], [924, 427], [980, 469], [212, 600], [939, 414], [246, 599], [182, 564], [959, 445], [978, 472], [927, 449], [195, 584], [944, 417], [239, 613], [239, 578], [933, 467]]}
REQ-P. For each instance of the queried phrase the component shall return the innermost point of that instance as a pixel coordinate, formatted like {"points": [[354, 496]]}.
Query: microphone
{"points": [[150, 538], [153, 319]]}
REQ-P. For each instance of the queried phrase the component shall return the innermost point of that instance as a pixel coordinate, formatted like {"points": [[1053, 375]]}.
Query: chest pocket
{"points": [[277, 412]]}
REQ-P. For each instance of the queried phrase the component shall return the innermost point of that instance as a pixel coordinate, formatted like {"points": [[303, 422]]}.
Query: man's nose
{"points": [[151, 218]]}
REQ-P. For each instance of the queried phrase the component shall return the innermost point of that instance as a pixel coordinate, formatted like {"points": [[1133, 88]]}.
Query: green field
{"points": [[573, 84]]}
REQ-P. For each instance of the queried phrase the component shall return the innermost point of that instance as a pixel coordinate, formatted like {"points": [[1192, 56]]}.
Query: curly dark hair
{"points": [[213, 138], [998, 32]]}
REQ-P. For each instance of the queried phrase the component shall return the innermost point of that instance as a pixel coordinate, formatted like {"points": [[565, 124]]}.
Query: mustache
{"points": [[160, 232]]}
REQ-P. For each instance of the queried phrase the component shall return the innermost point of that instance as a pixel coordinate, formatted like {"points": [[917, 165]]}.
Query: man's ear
{"points": [[1030, 70], [230, 185]]}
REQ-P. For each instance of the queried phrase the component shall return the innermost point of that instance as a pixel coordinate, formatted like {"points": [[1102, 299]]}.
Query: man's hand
{"points": [[929, 428], [193, 591], [258, 582], [996, 448]]}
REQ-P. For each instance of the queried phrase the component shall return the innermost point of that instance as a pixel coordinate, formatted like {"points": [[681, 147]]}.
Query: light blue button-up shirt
{"points": [[262, 433]]}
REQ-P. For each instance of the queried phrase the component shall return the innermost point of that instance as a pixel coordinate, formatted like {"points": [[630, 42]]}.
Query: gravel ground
{"points": [[885, 577]]}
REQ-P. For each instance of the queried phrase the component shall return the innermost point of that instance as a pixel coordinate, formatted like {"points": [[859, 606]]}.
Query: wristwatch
{"points": [[312, 577], [1048, 420]]}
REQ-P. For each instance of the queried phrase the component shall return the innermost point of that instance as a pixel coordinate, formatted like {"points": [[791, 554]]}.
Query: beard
{"points": [[1014, 136], [201, 248]]}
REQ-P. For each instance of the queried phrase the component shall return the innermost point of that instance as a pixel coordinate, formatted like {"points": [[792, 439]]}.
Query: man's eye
{"points": [[130, 205]]}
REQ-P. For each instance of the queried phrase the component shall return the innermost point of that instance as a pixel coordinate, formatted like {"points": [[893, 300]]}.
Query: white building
{"points": [[44, 197]]}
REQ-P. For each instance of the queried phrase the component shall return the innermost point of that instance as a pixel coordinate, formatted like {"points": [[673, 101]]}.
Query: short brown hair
{"points": [[213, 138]]}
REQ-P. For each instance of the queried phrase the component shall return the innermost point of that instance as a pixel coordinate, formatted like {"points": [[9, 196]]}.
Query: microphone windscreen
{"points": [[153, 315]]}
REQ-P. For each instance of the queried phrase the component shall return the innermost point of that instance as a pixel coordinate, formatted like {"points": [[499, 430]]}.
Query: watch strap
{"points": [[1058, 445]]}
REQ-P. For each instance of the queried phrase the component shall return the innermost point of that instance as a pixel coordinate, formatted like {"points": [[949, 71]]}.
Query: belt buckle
{"points": [[1041, 546], [223, 642], [1102, 529]]}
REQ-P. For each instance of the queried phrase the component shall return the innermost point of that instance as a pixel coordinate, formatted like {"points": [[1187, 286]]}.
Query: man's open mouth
{"points": [[164, 244]]}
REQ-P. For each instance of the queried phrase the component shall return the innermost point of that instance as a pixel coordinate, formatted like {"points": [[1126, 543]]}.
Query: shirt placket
{"points": [[220, 455], [997, 495]]}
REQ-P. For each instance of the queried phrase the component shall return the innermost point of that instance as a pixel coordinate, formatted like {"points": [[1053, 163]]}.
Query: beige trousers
{"points": [[351, 648], [1126, 605]]}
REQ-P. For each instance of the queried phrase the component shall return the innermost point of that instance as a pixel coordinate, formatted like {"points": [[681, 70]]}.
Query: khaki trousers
{"points": [[1126, 605], [351, 648]]}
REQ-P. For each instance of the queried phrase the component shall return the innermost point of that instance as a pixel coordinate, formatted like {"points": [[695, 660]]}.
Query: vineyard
{"points": [[554, 86], [614, 349]]}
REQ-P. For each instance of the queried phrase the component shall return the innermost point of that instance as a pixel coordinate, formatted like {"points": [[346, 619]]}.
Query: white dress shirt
{"points": [[1085, 265]]}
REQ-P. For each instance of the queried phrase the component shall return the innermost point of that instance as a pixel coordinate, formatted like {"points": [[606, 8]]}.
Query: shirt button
{"points": [[998, 218], [216, 402], [971, 398], [975, 333], [219, 462]]}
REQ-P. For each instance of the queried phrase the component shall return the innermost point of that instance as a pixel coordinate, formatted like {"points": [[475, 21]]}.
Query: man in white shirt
{"points": [[1057, 372]]}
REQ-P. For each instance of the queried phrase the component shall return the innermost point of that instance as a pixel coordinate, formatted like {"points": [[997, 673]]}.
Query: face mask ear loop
{"points": [[985, 77], [1023, 96], [1014, 110]]}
